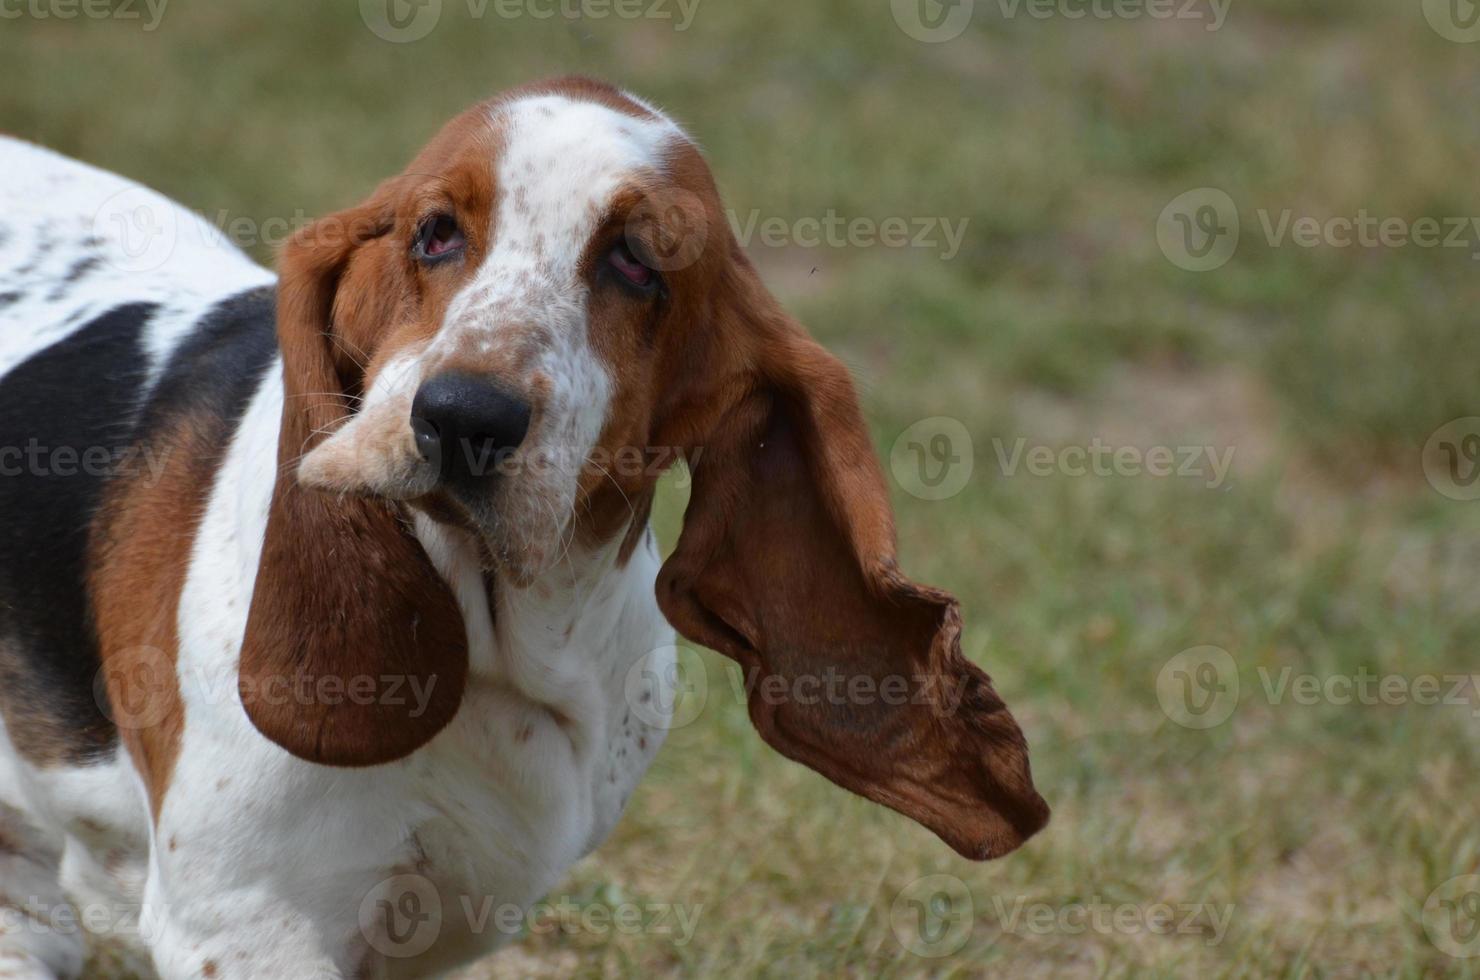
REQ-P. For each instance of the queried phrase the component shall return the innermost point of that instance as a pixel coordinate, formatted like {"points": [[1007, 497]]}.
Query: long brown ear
{"points": [[355, 651], [787, 564]]}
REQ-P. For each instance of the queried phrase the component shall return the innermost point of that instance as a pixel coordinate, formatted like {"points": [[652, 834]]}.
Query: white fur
{"points": [[264, 864]]}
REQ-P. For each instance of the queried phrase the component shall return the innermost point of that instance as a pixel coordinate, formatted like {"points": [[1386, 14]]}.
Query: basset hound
{"points": [[314, 583]]}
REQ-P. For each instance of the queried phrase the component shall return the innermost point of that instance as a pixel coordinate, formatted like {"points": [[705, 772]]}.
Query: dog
{"points": [[331, 596]]}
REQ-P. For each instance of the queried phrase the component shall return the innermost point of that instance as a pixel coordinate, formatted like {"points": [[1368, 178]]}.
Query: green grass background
{"points": [[1060, 141]]}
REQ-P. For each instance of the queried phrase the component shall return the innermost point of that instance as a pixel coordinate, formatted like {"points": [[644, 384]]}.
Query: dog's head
{"points": [[510, 337]]}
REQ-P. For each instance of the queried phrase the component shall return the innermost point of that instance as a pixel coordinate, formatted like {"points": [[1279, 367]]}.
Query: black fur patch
{"points": [[218, 368], [44, 244], [84, 392], [79, 269], [73, 399]]}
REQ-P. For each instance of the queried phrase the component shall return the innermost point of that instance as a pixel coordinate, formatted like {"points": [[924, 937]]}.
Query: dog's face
{"points": [[514, 337], [507, 316]]}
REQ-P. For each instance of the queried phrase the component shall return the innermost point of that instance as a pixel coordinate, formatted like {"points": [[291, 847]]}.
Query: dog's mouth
{"points": [[486, 526], [443, 508]]}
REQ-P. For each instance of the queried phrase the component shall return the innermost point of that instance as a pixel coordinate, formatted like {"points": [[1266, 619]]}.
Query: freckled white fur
{"points": [[562, 161], [260, 862], [149, 249]]}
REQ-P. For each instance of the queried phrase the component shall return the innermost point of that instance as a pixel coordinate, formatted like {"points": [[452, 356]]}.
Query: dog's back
{"points": [[102, 288], [100, 280]]}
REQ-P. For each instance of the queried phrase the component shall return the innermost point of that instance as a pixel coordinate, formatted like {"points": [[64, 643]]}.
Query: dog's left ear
{"points": [[787, 564], [355, 652]]}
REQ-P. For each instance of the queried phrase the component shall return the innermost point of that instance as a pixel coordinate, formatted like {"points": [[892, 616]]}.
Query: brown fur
{"points": [[787, 564], [142, 544]]}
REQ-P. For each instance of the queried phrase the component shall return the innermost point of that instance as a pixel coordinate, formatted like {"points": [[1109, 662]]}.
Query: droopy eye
{"points": [[439, 236], [639, 275]]}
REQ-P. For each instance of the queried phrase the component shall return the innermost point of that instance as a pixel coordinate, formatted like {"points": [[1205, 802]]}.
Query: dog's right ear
{"points": [[355, 651], [787, 564]]}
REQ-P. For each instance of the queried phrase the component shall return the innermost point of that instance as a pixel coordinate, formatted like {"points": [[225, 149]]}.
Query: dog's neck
{"points": [[573, 604]]}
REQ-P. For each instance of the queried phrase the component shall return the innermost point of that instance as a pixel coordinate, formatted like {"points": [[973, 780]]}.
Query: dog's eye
{"points": [[439, 236], [630, 268]]}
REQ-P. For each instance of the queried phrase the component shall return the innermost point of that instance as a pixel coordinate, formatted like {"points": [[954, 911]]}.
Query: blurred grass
{"points": [[1325, 370]]}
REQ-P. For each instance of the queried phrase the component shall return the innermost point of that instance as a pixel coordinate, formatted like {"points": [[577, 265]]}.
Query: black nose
{"points": [[467, 426]]}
